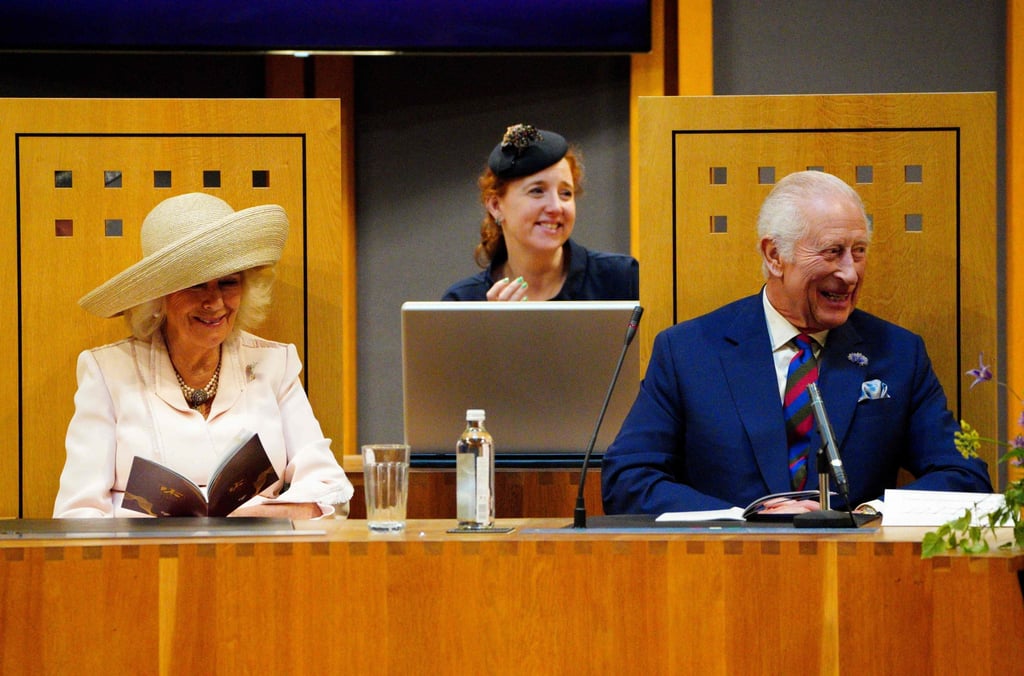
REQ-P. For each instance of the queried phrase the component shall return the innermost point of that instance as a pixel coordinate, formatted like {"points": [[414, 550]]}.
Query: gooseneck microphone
{"points": [[579, 517], [829, 463], [828, 441]]}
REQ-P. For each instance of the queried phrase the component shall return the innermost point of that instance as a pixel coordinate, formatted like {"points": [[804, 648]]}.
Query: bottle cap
{"points": [[476, 415]]}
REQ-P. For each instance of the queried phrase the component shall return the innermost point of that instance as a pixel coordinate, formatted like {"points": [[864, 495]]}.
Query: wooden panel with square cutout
{"points": [[87, 173], [923, 163], [895, 252]]}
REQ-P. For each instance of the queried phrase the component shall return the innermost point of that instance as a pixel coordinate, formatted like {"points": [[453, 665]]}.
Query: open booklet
{"points": [[752, 512], [158, 490]]}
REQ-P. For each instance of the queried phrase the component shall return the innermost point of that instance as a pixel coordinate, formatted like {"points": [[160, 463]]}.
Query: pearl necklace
{"points": [[198, 397]]}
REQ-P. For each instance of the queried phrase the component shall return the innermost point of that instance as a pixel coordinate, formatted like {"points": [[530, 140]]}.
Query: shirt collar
{"points": [[780, 330]]}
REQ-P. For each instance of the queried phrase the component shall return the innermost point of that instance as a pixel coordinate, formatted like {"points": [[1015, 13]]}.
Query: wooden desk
{"points": [[536, 601], [526, 493], [518, 492]]}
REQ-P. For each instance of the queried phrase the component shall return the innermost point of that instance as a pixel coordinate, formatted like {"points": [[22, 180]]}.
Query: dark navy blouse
{"points": [[593, 275]]}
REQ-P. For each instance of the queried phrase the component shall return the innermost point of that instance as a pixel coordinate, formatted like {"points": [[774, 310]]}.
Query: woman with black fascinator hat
{"points": [[529, 192]]}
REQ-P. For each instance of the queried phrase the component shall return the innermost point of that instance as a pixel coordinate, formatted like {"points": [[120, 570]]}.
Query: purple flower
{"points": [[981, 374], [1016, 447]]}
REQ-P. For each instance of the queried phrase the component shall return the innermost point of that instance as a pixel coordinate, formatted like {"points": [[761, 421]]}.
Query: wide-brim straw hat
{"points": [[188, 240]]}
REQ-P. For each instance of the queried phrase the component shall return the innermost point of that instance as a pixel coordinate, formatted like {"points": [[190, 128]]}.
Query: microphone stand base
{"points": [[825, 518]]}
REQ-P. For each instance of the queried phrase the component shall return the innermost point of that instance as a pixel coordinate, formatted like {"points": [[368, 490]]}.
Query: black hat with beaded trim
{"points": [[525, 150]]}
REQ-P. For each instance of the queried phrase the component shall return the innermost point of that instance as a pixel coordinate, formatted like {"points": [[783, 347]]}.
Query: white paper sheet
{"points": [[934, 508], [733, 514]]}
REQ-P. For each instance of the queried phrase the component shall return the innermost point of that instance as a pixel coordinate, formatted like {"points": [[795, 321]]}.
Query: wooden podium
{"points": [[542, 600]]}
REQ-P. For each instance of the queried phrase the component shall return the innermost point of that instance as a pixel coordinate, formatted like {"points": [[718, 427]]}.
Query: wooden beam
{"points": [[1012, 371], [334, 77]]}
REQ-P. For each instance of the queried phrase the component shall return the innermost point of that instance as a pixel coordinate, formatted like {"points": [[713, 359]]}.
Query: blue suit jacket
{"points": [[706, 430]]}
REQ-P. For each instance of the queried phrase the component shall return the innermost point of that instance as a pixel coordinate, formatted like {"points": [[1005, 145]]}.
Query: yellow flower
{"points": [[967, 440]]}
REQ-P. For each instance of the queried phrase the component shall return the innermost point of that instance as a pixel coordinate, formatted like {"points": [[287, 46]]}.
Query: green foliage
{"points": [[963, 535]]}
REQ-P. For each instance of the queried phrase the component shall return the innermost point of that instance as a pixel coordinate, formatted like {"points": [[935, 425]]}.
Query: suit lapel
{"points": [[840, 379], [165, 382], [750, 373], [231, 379]]}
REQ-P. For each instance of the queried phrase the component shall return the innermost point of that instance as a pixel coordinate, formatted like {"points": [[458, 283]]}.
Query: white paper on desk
{"points": [[731, 514], [934, 508]]}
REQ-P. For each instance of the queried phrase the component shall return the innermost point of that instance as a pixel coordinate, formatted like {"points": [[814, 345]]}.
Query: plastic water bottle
{"points": [[474, 473]]}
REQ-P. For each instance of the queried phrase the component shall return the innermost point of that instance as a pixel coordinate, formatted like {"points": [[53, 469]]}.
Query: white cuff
{"points": [[870, 507]]}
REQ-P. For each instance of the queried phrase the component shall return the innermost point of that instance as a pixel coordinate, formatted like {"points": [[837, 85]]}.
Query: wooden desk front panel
{"points": [[526, 493], [563, 603]]}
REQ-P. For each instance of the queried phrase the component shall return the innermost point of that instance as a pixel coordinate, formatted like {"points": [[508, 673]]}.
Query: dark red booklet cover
{"points": [[158, 490]]}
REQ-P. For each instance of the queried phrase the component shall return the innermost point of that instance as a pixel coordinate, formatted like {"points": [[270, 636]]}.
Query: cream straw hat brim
{"points": [[188, 240]]}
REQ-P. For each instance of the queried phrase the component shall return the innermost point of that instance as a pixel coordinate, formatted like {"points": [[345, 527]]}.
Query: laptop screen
{"points": [[540, 371]]}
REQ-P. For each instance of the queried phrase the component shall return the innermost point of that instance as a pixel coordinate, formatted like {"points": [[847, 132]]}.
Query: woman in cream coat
{"points": [[190, 380]]}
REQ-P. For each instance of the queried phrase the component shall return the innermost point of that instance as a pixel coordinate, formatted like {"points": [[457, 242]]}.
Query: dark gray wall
{"points": [[858, 46], [131, 75], [424, 128]]}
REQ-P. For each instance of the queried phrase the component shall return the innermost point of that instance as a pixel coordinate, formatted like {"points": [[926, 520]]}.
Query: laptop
{"points": [[541, 371]]}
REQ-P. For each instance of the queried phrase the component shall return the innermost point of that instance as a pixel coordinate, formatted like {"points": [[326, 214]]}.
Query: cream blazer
{"points": [[129, 403]]}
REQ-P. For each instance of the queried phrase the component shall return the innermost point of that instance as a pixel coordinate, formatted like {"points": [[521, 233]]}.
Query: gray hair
{"points": [[145, 319], [782, 218]]}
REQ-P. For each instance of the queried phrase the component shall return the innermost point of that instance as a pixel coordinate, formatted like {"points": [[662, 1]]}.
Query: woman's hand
{"points": [[284, 510], [504, 289]]}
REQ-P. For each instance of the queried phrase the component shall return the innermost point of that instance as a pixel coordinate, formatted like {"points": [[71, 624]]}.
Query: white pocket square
{"points": [[873, 389]]}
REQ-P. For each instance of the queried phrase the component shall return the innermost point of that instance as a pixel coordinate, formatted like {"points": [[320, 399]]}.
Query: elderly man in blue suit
{"points": [[708, 428]]}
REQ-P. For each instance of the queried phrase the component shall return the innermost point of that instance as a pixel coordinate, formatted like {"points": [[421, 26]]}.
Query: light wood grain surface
{"points": [[542, 599]]}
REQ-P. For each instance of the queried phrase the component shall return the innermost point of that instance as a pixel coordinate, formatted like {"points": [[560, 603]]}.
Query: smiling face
{"points": [[537, 211], [817, 288], [201, 317]]}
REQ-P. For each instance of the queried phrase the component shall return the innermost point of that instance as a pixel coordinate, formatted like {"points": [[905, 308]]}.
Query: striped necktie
{"points": [[796, 407]]}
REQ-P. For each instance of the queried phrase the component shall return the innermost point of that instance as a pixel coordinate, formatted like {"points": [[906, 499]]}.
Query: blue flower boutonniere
{"points": [[857, 358]]}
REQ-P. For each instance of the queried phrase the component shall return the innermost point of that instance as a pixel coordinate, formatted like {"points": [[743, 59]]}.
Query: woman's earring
{"points": [[497, 221]]}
